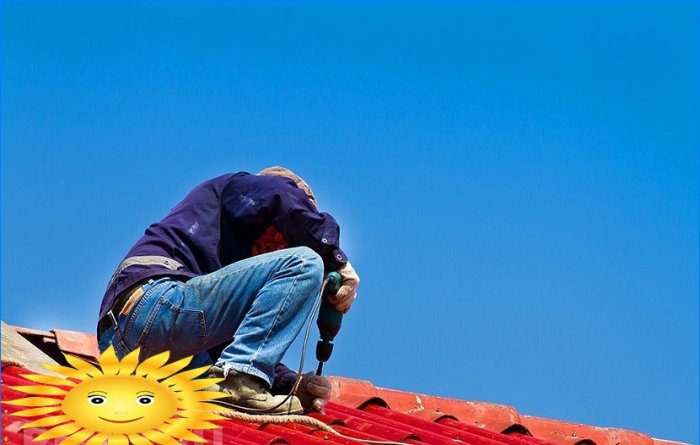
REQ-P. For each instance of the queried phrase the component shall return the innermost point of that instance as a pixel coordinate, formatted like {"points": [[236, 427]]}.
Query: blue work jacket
{"points": [[220, 221]]}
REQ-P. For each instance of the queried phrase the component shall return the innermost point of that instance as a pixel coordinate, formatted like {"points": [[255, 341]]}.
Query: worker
{"points": [[234, 269]]}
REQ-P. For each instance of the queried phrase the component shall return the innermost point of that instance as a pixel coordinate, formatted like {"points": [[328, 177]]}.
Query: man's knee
{"points": [[309, 262]]}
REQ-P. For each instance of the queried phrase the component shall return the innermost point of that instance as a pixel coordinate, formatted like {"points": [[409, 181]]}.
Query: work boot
{"points": [[250, 394]]}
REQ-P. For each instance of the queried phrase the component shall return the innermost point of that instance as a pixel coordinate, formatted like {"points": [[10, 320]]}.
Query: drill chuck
{"points": [[324, 349]]}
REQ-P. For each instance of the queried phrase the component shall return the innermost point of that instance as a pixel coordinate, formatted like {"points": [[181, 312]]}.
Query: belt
{"points": [[122, 304], [126, 299]]}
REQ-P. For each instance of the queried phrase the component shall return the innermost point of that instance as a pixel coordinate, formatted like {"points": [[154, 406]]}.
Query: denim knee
{"points": [[311, 265]]}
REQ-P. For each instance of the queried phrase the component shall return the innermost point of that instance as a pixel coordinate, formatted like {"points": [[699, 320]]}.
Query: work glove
{"points": [[349, 280], [314, 392]]}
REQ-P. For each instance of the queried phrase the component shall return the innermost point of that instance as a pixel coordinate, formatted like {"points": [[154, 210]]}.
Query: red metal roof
{"points": [[357, 409]]}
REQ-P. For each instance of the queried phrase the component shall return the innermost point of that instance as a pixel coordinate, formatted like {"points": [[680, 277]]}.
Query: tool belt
{"points": [[128, 297]]}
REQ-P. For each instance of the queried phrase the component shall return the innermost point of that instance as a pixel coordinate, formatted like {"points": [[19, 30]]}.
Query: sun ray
{"points": [[181, 433], [200, 396], [48, 380], [193, 423], [118, 439], [37, 411], [160, 438], [34, 401], [46, 421], [40, 390], [185, 377], [210, 414], [209, 407], [82, 365], [152, 363], [129, 362], [203, 425], [97, 439], [59, 431], [66, 371], [169, 369], [77, 438], [200, 410], [109, 362], [137, 439]]}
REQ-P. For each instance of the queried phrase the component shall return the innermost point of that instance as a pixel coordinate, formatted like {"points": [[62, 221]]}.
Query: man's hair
{"points": [[287, 173]]}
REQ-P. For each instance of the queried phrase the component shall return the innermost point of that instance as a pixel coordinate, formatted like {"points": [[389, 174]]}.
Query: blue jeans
{"points": [[258, 306]]}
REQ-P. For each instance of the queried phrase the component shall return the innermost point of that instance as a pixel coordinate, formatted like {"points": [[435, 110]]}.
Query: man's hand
{"points": [[314, 392], [349, 280]]}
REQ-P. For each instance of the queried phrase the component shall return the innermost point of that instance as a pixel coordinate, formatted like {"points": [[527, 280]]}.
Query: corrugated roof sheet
{"points": [[357, 409]]}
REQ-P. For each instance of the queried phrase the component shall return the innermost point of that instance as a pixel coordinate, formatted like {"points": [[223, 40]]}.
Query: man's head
{"points": [[286, 173]]}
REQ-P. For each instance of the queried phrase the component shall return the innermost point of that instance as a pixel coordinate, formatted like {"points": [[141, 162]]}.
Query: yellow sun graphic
{"points": [[121, 402]]}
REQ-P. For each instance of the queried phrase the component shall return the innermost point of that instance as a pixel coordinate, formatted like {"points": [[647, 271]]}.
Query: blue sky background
{"points": [[517, 184]]}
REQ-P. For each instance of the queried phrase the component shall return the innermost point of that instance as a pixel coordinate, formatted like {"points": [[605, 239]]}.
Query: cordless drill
{"points": [[329, 320]]}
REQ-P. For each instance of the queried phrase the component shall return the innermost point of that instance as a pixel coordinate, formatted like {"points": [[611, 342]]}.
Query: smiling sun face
{"points": [[121, 401], [120, 404]]}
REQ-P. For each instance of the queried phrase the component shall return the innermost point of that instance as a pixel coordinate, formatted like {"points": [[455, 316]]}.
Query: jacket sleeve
{"points": [[274, 200]]}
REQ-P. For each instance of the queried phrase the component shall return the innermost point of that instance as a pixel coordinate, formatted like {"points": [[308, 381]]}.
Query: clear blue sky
{"points": [[517, 184]]}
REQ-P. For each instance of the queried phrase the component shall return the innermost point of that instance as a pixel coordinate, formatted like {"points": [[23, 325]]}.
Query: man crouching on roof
{"points": [[237, 264]]}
